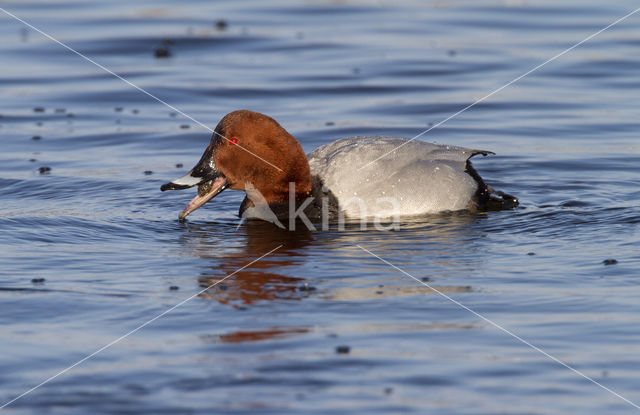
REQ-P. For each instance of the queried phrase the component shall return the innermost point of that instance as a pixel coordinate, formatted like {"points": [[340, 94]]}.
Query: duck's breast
{"points": [[413, 179]]}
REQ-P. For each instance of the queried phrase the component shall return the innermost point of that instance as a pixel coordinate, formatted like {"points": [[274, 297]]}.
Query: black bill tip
{"points": [[173, 186]]}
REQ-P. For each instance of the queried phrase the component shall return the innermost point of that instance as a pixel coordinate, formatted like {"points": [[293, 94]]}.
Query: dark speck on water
{"points": [[162, 52], [221, 24], [184, 126], [36, 137], [113, 252], [343, 349], [306, 287]]}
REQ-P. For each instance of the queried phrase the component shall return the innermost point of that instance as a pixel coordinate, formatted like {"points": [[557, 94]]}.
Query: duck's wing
{"points": [[369, 150], [424, 177]]}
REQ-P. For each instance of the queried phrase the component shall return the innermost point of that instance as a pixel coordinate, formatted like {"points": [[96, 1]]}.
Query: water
{"points": [[109, 247]]}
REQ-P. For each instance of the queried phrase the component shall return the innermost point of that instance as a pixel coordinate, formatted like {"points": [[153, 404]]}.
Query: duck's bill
{"points": [[210, 182], [206, 191], [184, 182]]}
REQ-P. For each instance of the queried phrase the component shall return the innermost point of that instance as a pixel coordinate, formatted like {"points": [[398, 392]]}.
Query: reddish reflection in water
{"points": [[263, 280], [249, 287], [260, 335]]}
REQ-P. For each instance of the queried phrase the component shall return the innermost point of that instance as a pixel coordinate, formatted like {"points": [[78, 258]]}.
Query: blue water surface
{"points": [[90, 249]]}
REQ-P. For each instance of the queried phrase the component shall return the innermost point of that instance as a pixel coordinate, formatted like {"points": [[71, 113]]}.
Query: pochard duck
{"points": [[357, 177]]}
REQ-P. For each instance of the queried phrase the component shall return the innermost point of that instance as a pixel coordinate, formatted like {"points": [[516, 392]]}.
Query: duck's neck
{"points": [[314, 204]]}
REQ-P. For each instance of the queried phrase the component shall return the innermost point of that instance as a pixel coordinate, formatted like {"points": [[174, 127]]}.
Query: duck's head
{"points": [[247, 148]]}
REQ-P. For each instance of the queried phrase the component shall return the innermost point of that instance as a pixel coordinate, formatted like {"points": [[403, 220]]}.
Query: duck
{"points": [[355, 177]]}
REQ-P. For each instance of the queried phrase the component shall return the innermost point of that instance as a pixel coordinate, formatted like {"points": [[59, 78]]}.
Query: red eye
{"points": [[233, 140]]}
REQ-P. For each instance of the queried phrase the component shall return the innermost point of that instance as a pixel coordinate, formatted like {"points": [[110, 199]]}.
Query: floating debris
{"points": [[306, 287], [162, 52], [343, 349], [221, 24]]}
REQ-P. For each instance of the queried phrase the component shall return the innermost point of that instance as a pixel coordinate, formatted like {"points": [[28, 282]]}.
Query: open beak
{"points": [[210, 182]]}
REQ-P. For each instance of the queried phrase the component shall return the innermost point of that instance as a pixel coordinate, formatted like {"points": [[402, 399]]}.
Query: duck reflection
{"points": [[449, 245], [230, 249], [451, 241], [259, 335]]}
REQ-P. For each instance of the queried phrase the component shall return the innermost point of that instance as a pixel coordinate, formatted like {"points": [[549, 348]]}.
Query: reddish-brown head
{"points": [[248, 148], [258, 150]]}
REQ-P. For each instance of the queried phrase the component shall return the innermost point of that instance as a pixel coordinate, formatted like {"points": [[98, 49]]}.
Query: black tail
{"points": [[487, 198]]}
